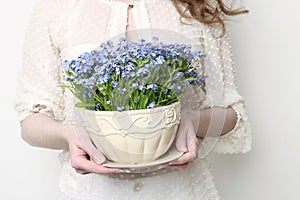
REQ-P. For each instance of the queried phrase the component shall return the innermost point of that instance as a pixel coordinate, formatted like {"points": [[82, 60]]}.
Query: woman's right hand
{"points": [[85, 157]]}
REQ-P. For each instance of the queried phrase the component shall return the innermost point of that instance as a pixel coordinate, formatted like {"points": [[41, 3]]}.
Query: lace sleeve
{"points": [[239, 139], [39, 76]]}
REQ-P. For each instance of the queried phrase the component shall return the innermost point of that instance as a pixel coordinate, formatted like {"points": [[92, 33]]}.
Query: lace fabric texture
{"points": [[62, 29]]}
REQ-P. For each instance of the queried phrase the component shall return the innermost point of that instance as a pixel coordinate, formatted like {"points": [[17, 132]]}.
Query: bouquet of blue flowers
{"points": [[129, 95], [133, 75]]}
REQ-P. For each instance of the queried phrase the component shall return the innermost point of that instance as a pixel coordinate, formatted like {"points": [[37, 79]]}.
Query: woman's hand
{"points": [[186, 140], [42, 131], [85, 158]]}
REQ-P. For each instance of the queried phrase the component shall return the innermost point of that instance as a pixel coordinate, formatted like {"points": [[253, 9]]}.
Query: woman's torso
{"points": [[81, 26]]}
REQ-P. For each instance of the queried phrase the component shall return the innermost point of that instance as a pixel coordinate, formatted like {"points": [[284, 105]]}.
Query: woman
{"points": [[61, 29]]}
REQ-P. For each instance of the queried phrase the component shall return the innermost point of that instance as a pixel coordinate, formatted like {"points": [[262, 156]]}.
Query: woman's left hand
{"points": [[186, 141]]}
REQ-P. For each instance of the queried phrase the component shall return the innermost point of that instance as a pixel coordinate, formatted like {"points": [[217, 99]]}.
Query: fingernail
{"points": [[99, 161], [163, 165], [182, 149], [124, 171], [172, 163]]}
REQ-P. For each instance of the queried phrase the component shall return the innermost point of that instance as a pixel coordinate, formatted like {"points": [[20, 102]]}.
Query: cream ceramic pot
{"points": [[135, 136]]}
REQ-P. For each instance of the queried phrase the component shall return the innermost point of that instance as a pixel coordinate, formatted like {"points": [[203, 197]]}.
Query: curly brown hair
{"points": [[205, 12]]}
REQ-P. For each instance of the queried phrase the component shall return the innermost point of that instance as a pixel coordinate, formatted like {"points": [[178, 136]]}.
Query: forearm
{"points": [[41, 131], [216, 121]]}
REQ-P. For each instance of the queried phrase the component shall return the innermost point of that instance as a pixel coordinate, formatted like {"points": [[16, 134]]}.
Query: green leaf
{"points": [[168, 62], [66, 86], [84, 105], [145, 61], [134, 60], [191, 79], [143, 101], [103, 92], [180, 62], [68, 73]]}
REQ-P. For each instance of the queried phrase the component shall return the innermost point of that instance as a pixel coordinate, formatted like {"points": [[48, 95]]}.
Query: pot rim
{"points": [[132, 112]]}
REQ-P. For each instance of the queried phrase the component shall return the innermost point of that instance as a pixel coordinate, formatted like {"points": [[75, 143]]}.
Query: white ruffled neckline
{"points": [[127, 3]]}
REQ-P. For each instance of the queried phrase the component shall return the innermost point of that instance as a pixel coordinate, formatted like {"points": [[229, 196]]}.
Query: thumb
{"points": [[95, 154], [181, 138]]}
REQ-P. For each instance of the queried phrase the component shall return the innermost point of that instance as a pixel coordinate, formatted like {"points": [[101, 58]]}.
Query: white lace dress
{"points": [[62, 29]]}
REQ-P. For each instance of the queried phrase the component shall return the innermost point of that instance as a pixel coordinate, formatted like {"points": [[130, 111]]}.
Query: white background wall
{"points": [[267, 50]]}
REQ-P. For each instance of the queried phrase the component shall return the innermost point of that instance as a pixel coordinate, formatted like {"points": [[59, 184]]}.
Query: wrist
{"points": [[217, 121], [231, 120], [67, 134]]}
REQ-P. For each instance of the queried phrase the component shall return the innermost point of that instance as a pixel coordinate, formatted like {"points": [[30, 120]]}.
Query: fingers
{"points": [[185, 158], [95, 154], [192, 143], [183, 166], [85, 156], [84, 166], [191, 154], [181, 137], [81, 171], [81, 163]]}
